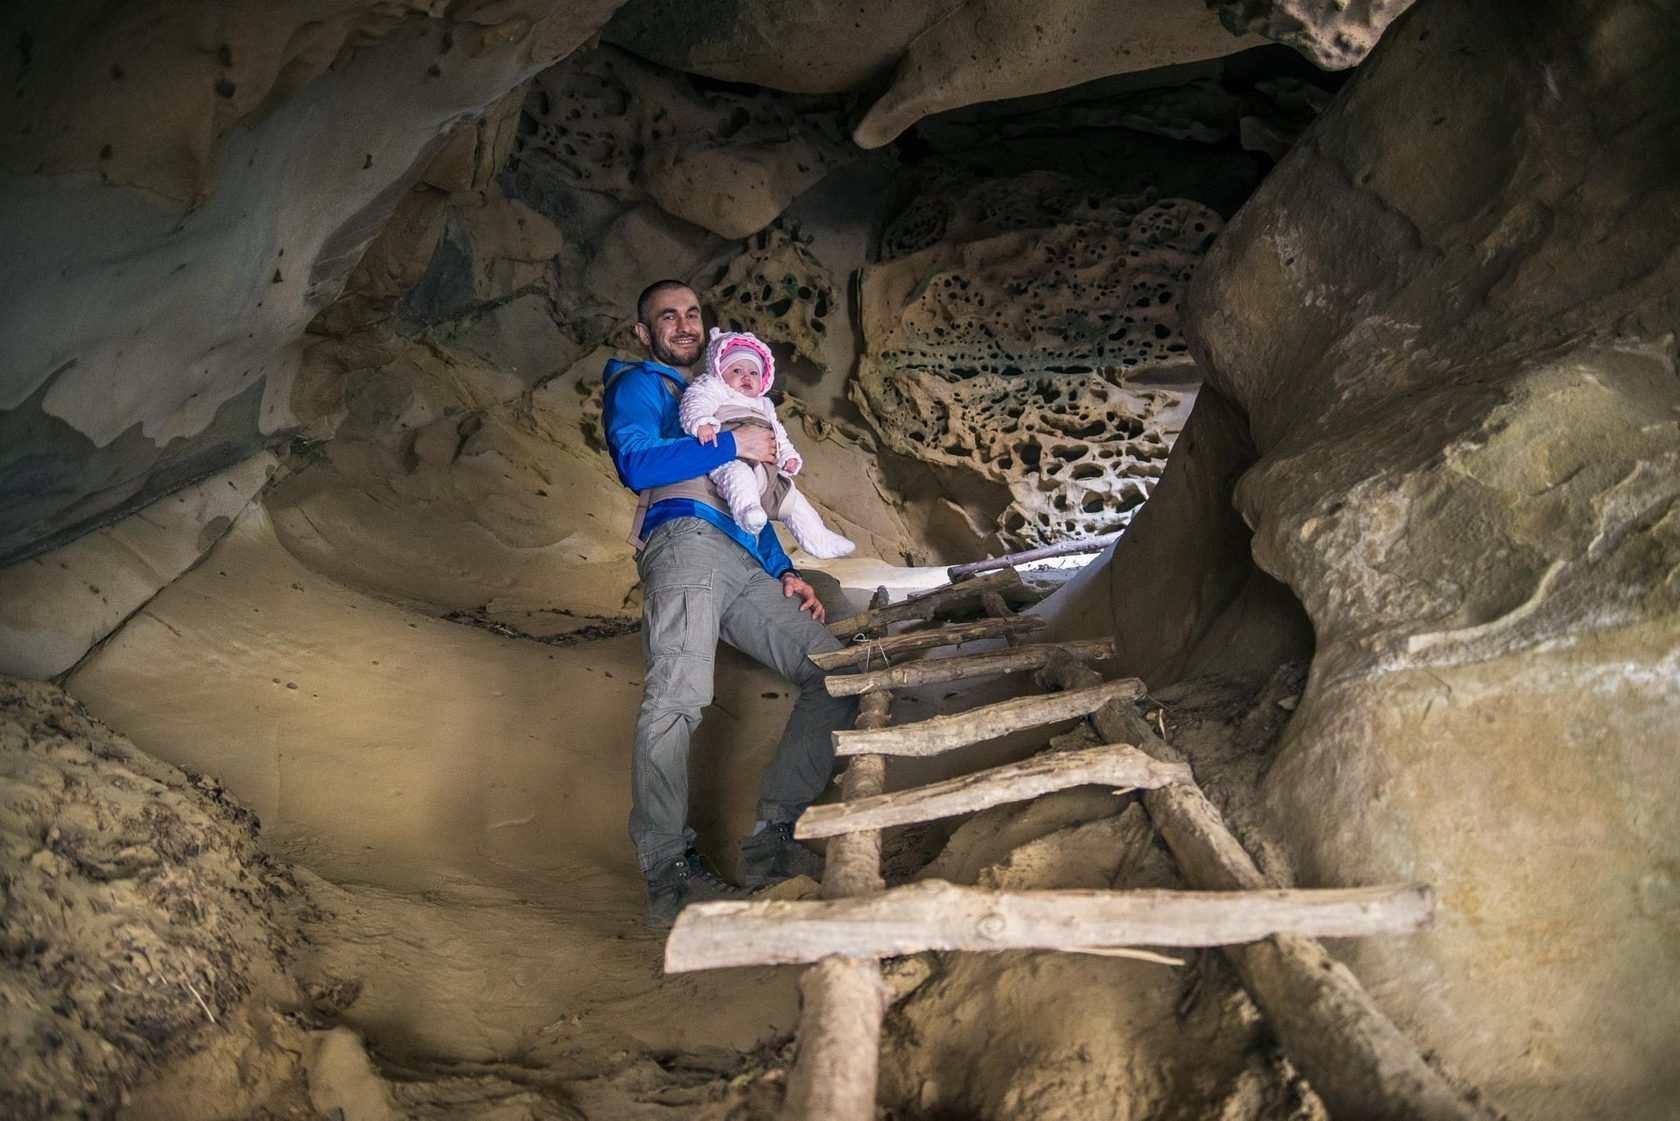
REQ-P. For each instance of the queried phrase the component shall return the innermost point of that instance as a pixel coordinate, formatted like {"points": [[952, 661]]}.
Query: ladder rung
{"points": [[1118, 765], [925, 605], [935, 671], [880, 651], [934, 915], [944, 733]]}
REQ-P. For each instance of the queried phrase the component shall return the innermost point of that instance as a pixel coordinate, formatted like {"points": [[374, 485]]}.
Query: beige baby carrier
{"points": [[774, 488]]}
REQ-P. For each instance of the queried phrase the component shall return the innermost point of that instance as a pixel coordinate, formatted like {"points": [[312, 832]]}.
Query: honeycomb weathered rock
{"points": [[776, 290], [1027, 329], [726, 160]]}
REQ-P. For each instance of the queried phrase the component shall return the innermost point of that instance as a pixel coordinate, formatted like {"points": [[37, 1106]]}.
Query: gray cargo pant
{"points": [[698, 585]]}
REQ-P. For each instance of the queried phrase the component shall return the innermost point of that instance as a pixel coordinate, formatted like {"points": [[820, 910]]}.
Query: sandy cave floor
{"points": [[456, 889], [461, 797]]}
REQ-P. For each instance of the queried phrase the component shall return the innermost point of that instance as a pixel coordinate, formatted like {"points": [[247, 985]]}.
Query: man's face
{"points": [[674, 330], [743, 377]]}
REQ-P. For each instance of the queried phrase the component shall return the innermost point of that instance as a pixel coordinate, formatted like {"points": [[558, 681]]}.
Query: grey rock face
{"points": [[147, 342]]}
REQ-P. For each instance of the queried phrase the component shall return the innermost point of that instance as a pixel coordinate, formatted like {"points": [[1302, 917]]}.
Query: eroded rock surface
{"points": [[728, 161], [810, 49], [148, 343], [1335, 34], [1027, 330], [1452, 329], [990, 50]]}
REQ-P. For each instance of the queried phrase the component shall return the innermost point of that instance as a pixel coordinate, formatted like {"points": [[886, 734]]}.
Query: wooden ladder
{"points": [[1357, 1060]]}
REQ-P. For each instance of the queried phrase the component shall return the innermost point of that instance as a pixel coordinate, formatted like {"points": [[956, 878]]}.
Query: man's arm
{"points": [[771, 553], [631, 411]]}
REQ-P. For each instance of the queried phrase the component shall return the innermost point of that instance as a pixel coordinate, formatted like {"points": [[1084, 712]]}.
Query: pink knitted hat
{"points": [[726, 346]]}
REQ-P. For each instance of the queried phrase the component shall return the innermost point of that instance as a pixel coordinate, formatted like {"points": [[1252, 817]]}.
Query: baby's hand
{"points": [[790, 465], [706, 434]]}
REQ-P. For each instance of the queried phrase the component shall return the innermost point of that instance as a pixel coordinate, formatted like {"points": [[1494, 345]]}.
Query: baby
{"points": [[728, 393]]}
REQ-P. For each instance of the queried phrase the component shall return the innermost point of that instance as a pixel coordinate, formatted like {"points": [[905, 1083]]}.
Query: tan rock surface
{"points": [[729, 161], [463, 796], [1452, 330], [829, 48], [989, 50], [55, 607], [1335, 34]]}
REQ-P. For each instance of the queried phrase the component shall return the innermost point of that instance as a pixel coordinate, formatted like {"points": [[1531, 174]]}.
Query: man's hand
{"points": [[755, 443], [794, 586], [706, 434]]}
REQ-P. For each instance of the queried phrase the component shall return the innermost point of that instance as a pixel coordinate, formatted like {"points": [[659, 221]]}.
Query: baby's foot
{"points": [[824, 544], [753, 520]]}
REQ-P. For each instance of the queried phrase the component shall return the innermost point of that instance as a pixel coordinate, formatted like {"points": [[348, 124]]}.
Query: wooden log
{"points": [[838, 1066], [959, 729], [959, 572], [880, 651], [1117, 765], [997, 609], [936, 671], [853, 864], [1360, 1063], [934, 915], [924, 605], [834, 1077]]}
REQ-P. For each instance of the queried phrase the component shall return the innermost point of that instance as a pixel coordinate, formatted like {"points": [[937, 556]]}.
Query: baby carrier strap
{"points": [[699, 489]]}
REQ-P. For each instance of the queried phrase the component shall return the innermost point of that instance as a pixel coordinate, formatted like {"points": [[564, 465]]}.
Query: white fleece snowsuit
{"points": [[746, 486]]}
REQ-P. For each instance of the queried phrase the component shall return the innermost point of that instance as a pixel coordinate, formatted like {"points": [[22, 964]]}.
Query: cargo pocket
{"points": [[678, 619]]}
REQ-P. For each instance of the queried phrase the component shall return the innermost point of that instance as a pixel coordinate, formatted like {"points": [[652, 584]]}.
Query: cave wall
{"points": [[1026, 329], [184, 187], [1446, 321]]}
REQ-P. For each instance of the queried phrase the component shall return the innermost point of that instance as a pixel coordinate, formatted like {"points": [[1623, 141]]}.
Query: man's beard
{"points": [[674, 359]]}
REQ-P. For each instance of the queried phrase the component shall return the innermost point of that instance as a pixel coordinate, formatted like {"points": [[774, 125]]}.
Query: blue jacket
{"points": [[649, 449]]}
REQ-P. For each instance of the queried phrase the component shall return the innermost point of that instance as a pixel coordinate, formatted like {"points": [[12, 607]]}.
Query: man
{"points": [[704, 577]]}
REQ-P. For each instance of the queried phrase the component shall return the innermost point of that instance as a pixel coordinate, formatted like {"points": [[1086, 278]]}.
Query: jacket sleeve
{"points": [[699, 406], [770, 552], [631, 413]]}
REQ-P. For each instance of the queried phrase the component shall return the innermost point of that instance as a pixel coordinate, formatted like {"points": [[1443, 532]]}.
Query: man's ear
{"points": [[642, 335]]}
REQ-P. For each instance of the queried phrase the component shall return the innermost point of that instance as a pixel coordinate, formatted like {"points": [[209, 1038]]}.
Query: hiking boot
{"points": [[682, 880], [772, 855]]}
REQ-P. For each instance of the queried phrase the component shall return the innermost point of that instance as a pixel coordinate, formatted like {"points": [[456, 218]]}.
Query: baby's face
{"points": [[743, 377]]}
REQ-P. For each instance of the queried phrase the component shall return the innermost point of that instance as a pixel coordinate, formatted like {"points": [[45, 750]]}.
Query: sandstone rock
{"points": [[1449, 316], [724, 160], [1026, 330], [809, 49], [1335, 34], [1143, 1040], [1187, 103], [148, 343], [995, 49], [57, 606], [1172, 619], [343, 1081], [776, 289]]}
